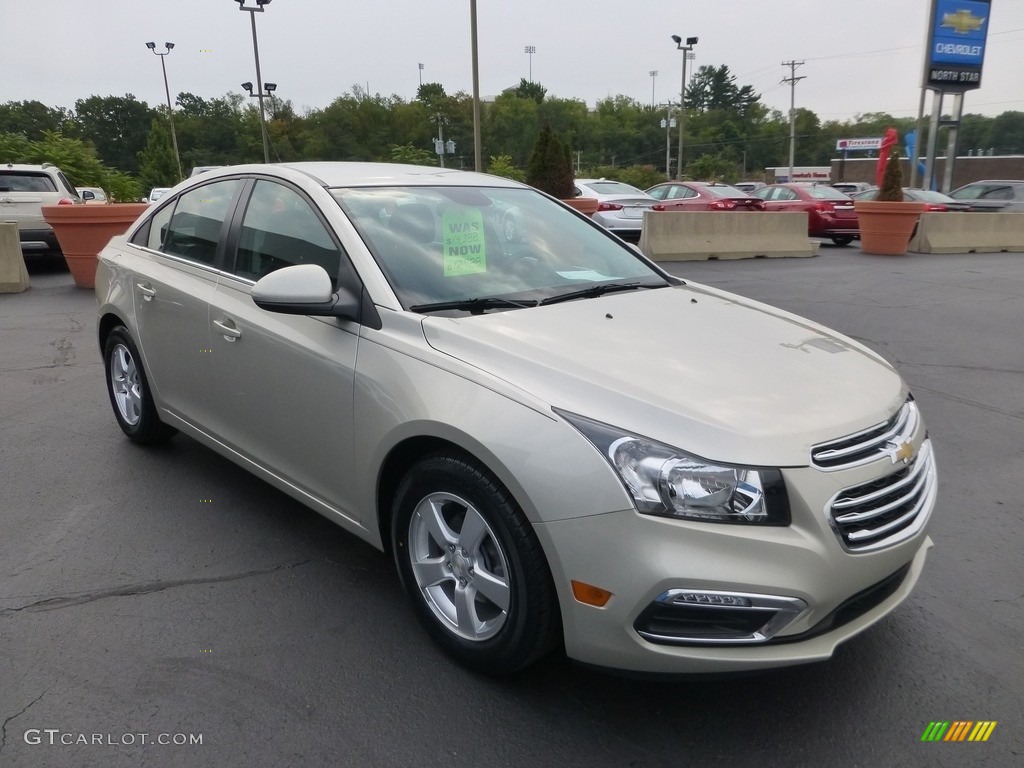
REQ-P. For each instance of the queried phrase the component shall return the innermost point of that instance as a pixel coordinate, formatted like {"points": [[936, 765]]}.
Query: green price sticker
{"points": [[465, 252]]}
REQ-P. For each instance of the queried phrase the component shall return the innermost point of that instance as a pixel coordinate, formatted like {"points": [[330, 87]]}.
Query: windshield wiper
{"points": [[475, 306], [596, 290]]}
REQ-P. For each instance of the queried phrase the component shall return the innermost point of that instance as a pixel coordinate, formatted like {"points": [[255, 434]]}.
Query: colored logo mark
{"points": [[958, 730], [963, 22]]}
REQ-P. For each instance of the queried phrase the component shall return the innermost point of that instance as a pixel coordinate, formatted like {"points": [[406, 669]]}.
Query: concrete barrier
{"points": [[969, 233], [702, 235], [13, 275]]}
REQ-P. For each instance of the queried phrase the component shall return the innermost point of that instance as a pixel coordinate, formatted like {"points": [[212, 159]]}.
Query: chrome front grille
{"points": [[870, 444], [886, 511]]}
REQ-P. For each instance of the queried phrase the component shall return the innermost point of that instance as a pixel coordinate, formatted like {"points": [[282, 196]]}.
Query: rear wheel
{"points": [[129, 391], [472, 566], [842, 240]]}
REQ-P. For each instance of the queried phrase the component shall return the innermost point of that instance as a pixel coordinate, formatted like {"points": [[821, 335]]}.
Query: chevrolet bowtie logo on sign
{"points": [[958, 730], [963, 22]]}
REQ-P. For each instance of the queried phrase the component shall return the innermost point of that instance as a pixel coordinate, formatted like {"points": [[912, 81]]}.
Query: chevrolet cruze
{"points": [[559, 443]]}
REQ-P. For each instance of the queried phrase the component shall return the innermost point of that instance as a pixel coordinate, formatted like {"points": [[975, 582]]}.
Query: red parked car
{"points": [[702, 196], [829, 212]]}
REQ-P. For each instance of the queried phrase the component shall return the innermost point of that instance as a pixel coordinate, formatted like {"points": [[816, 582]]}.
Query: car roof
{"points": [[345, 174]]}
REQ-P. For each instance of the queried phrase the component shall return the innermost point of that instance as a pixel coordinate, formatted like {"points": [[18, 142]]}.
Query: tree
{"points": [[118, 126], [32, 119], [407, 153], [76, 159], [157, 165], [1008, 133], [502, 166], [529, 90], [550, 169], [715, 88], [892, 179]]}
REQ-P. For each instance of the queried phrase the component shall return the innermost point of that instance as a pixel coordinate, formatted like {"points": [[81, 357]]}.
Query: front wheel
{"points": [[842, 240], [129, 390], [472, 566]]}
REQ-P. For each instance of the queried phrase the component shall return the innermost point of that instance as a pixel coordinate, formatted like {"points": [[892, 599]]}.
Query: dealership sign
{"points": [[956, 44], [854, 145]]}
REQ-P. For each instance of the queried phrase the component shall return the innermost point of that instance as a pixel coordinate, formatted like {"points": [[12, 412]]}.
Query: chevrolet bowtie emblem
{"points": [[962, 22], [900, 452]]}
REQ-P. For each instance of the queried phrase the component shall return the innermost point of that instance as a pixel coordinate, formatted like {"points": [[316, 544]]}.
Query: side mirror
{"points": [[304, 289], [88, 195]]}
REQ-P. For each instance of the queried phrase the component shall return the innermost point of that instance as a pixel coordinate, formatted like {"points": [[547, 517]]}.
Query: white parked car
{"points": [[620, 206], [557, 441], [92, 195]]}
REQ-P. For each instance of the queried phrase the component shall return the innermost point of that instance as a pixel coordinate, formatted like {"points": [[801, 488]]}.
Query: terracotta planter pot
{"points": [[84, 230], [585, 205], [886, 227]]}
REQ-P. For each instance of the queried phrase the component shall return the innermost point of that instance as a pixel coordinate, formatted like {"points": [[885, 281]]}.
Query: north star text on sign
{"points": [[943, 75]]}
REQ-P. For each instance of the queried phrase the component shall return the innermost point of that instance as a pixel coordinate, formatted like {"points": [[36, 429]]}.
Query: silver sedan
{"points": [[620, 206], [560, 444]]}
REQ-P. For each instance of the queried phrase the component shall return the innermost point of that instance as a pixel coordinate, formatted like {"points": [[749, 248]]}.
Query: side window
{"points": [[685, 193], [69, 188], [152, 235], [658, 193], [1004, 192], [195, 225], [280, 229]]}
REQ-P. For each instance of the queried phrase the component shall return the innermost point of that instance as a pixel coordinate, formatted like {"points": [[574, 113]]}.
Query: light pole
{"points": [[478, 155], [421, 75], [440, 145], [530, 50], [170, 111], [668, 124], [268, 89], [654, 74], [258, 8], [686, 49]]}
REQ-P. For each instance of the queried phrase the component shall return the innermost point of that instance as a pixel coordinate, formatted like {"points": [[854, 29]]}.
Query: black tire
{"points": [[486, 596], [842, 240], [128, 389]]}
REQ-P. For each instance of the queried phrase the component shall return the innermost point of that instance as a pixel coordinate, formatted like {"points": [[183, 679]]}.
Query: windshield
{"points": [[602, 187], [724, 190], [822, 192], [446, 245]]}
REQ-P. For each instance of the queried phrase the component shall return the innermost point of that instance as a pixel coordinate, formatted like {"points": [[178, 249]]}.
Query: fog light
{"points": [[709, 598], [704, 617]]}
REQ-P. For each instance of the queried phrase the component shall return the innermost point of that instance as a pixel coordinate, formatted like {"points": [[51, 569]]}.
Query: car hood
{"points": [[703, 370]]}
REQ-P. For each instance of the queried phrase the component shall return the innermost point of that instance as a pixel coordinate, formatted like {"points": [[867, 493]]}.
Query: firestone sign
{"points": [[956, 44], [854, 145]]}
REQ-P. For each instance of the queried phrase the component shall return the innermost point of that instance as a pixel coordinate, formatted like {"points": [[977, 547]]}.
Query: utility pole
{"points": [[792, 80]]}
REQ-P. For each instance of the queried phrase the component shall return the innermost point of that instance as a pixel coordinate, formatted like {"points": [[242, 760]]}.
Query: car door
{"points": [[283, 384], [172, 286], [680, 198]]}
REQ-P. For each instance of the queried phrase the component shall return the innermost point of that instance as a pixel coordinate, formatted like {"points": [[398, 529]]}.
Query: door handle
{"points": [[228, 329], [146, 290]]}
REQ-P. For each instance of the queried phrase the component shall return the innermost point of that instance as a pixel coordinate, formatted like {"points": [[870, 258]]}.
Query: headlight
{"points": [[666, 481]]}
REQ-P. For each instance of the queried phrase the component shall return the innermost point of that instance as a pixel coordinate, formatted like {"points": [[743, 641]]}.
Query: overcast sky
{"points": [[859, 55]]}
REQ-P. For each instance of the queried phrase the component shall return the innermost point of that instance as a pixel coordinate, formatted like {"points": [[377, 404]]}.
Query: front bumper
{"points": [[639, 558]]}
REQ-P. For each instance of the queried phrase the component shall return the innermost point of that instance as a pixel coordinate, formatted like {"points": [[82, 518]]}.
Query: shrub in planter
{"points": [[888, 222], [550, 170], [550, 167]]}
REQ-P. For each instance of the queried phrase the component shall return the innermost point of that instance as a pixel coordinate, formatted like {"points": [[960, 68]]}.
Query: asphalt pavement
{"points": [[162, 607]]}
